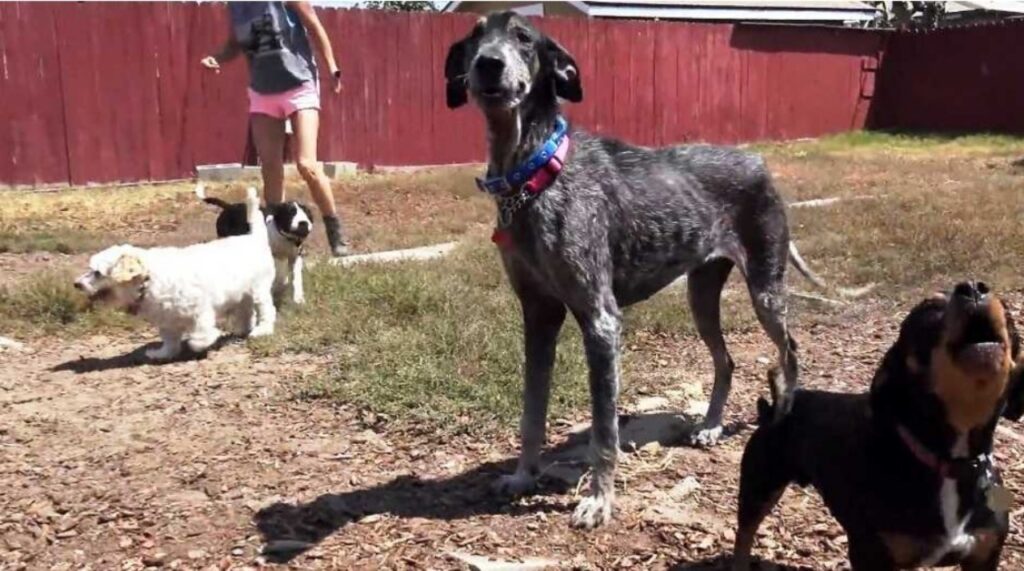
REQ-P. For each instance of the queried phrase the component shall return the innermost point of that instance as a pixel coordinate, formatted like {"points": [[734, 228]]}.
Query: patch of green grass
{"points": [[437, 342], [441, 342], [886, 141], [65, 241], [921, 239], [47, 303]]}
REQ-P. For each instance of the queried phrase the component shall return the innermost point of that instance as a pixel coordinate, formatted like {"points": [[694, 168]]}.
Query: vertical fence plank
{"points": [[104, 92], [33, 145]]}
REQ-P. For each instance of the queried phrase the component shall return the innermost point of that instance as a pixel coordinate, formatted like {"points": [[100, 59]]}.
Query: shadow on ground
{"points": [[135, 358], [288, 530]]}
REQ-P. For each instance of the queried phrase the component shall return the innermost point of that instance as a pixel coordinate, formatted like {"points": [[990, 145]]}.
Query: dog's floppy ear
{"points": [[565, 71], [127, 268], [1014, 408], [455, 74], [1011, 332]]}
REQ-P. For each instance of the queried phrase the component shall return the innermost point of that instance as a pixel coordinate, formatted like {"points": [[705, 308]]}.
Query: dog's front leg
{"points": [[170, 348], [601, 330], [266, 313], [542, 320], [298, 293], [204, 333]]}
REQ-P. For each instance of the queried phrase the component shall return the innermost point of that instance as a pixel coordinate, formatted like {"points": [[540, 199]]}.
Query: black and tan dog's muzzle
{"points": [[976, 328]]}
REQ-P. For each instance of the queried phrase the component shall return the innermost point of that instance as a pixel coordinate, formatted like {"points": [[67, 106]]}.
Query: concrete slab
{"points": [[226, 172], [422, 253], [236, 171]]}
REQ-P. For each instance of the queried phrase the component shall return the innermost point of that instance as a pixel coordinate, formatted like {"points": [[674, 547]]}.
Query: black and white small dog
{"points": [[289, 224]]}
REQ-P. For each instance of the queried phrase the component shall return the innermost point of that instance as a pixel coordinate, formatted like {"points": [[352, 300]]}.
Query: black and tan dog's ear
{"points": [[564, 70], [455, 74], [1014, 408], [1011, 332]]}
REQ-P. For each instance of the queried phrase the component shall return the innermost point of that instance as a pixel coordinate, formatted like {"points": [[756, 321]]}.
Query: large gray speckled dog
{"points": [[611, 227]]}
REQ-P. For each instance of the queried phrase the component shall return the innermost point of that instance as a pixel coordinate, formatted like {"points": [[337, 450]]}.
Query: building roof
{"points": [[729, 10], [1013, 6], [991, 5]]}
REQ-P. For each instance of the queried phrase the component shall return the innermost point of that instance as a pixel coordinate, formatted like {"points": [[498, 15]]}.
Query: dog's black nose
{"points": [[79, 286], [489, 68], [973, 291]]}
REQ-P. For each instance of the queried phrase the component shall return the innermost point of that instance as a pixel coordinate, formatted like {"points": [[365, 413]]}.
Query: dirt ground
{"points": [[109, 463]]}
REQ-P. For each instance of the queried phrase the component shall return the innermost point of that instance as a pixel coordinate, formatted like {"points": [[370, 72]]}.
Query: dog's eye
{"points": [[524, 37], [96, 274]]}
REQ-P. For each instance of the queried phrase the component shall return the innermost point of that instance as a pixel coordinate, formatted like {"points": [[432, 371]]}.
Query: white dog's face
{"points": [[116, 276]]}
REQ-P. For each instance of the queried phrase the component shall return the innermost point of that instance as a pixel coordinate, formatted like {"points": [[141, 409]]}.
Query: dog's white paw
{"points": [[592, 511], [514, 484], [299, 299], [706, 437], [262, 331], [162, 353]]}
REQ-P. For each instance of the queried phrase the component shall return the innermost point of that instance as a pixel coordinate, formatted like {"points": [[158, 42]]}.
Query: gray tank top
{"points": [[275, 43]]}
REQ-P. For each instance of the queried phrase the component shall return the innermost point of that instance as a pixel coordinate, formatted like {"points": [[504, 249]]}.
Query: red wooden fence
{"points": [[96, 92], [961, 79]]}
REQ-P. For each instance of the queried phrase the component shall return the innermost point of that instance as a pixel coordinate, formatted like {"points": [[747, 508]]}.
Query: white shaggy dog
{"points": [[186, 292]]}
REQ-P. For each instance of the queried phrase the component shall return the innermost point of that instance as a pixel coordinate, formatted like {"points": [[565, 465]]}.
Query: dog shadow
{"points": [[724, 563], [288, 530], [136, 358]]}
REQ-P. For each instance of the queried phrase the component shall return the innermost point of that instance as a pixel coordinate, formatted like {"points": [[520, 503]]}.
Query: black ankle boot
{"points": [[335, 240]]}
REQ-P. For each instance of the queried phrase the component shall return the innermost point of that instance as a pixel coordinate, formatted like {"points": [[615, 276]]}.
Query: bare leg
{"points": [[306, 123], [268, 136], [542, 320], [705, 293], [601, 327]]}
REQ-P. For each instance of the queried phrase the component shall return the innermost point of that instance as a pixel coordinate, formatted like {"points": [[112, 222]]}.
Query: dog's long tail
{"points": [[798, 262], [766, 410], [253, 214], [201, 194]]}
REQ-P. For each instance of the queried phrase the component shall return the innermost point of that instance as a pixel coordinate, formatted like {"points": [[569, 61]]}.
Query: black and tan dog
{"points": [[907, 469]]}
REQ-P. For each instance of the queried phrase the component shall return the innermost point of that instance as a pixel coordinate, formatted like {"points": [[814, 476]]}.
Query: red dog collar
{"points": [[538, 183], [956, 469]]}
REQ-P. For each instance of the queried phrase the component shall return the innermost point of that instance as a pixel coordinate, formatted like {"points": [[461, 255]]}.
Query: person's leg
{"points": [[306, 124], [268, 136]]}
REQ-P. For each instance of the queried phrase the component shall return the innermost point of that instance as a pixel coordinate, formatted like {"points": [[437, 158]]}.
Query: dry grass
{"points": [[859, 164], [82, 220], [47, 304], [442, 341], [380, 212]]}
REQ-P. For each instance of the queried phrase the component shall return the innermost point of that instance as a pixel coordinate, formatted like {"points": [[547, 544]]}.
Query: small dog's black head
{"points": [[504, 61], [292, 218], [958, 349]]}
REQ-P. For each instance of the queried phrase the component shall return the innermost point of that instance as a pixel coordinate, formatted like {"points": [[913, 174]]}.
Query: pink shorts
{"points": [[283, 105]]}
